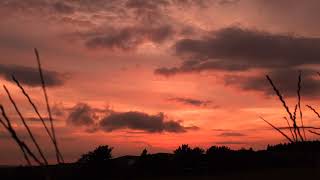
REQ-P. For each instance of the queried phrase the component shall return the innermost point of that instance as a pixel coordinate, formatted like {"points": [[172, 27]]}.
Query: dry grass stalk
{"points": [[305, 127], [294, 138], [37, 112], [32, 104], [25, 125], [58, 154], [315, 111], [13, 135], [277, 129], [314, 132], [280, 97], [292, 116], [23, 147], [299, 104]]}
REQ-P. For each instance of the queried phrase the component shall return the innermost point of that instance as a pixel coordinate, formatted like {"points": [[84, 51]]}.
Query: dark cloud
{"points": [[190, 101], [228, 2], [231, 134], [30, 76], [58, 110], [81, 115], [150, 12], [94, 119], [129, 37], [285, 80], [141, 121], [142, 4], [238, 49], [203, 3], [193, 3], [62, 7]]}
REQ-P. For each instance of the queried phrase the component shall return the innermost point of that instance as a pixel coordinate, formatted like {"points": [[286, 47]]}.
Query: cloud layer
{"points": [[235, 49], [238, 49], [81, 115], [129, 38]]}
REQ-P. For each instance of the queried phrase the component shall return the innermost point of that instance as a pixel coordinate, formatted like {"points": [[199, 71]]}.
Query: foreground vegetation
{"points": [[299, 158]]}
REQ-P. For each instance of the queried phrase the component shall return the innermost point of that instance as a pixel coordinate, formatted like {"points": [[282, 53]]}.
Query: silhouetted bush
{"points": [[100, 155], [184, 150], [144, 153], [187, 158], [213, 150]]}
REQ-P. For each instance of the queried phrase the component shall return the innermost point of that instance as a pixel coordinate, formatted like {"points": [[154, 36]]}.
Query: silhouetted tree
{"points": [[100, 155]]}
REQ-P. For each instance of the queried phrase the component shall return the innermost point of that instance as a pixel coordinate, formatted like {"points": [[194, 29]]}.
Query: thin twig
{"points": [[289, 139], [58, 154], [25, 125]]}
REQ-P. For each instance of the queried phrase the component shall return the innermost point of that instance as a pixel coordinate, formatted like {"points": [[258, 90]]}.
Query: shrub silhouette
{"points": [[218, 150], [184, 149], [100, 155], [144, 153]]}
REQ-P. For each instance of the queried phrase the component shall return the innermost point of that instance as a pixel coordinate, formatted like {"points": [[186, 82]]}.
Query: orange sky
{"points": [[200, 63]]}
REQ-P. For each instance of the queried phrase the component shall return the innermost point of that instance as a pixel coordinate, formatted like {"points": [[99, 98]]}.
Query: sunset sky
{"points": [[156, 74]]}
